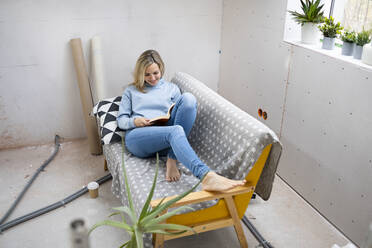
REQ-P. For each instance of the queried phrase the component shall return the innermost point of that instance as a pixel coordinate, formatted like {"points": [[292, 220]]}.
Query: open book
{"points": [[161, 120]]}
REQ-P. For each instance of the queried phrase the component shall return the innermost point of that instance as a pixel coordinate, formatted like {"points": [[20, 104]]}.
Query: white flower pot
{"points": [[367, 54], [310, 33], [347, 48], [358, 50], [328, 43]]}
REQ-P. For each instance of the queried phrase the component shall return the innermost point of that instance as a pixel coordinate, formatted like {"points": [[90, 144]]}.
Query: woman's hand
{"points": [[141, 122]]}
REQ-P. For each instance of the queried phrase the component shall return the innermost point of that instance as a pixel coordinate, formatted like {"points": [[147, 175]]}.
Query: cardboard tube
{"points": [[85, 96], [97, 69]]}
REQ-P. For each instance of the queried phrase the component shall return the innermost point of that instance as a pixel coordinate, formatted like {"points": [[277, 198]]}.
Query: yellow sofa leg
{"points": [[237, 224]]}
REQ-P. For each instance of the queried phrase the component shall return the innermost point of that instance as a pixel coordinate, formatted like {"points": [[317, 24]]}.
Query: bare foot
{"points": [[214, 182], [172, 174]]}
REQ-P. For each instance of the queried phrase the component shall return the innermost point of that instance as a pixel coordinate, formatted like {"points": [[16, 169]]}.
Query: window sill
{"points": [[335, 53]]}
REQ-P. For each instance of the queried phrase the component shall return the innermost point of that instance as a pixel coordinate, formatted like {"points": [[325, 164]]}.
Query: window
{"points": [[352, 14]]}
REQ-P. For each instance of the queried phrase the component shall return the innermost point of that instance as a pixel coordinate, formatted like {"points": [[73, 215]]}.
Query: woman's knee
{"points": [[189, 100], [177, 130], [134, 148]]}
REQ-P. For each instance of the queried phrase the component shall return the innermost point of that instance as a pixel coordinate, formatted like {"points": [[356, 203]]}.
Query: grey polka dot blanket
{"points": [[226, 138]]}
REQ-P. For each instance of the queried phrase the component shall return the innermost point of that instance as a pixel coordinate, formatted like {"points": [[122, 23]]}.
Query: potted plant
{"points": [[362, 38], [330, 30], [149, 220], [348, 38], [310, 18]]}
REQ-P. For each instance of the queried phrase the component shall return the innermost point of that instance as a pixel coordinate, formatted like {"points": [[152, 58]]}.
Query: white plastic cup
{"points": [[93, 189]]}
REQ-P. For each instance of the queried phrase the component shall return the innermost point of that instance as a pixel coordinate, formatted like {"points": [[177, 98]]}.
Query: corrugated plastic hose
{"points": [[42, 167], [49, 208], [52, 206]]}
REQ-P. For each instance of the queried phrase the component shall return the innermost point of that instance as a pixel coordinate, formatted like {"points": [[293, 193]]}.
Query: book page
{"points": [[162, 119]]}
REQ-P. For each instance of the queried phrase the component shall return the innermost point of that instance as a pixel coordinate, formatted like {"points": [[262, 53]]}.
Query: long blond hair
{"points": [[146, 59]]}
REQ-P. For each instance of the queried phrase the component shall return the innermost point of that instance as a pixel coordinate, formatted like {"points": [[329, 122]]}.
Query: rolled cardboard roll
{"points": [[97, 69], [85, 96]]}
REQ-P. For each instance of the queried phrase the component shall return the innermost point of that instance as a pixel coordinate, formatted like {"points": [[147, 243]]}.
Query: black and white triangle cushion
{"points": [[106, 111]]}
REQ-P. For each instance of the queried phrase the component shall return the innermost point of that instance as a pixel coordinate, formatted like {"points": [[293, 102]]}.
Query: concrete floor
{"points": [[286, 220]]}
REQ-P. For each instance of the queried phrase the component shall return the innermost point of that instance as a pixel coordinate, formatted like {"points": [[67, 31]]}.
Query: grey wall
{"points": [[39, 95], [319, 106]]}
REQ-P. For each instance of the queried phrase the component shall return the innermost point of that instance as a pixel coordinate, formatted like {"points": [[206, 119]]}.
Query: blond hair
{"points": [[146, 59]]}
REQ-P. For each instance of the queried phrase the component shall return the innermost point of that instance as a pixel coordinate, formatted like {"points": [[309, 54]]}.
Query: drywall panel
{"points": [[254, 59], [39, 95], [327, 129]]}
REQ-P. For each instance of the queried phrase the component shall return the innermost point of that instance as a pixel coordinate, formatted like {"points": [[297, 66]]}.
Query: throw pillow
{"points": [[106, 112]]}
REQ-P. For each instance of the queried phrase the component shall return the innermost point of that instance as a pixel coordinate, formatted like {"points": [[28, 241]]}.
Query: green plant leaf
{"points": [[312, 12], [157, 206], [330, 28], [303, 6], [139, 238], [169, 203], [166, 233], [169, 227], [114, 213], [151, 193], [128, 211], [118, 213], [125, 244], [348, 36], [113, 224], [363, 38], [133, 242], [131, 206], [165, 216]]}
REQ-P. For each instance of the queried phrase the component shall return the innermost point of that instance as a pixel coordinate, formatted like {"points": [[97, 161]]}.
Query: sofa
{"points": [[227, 139]]}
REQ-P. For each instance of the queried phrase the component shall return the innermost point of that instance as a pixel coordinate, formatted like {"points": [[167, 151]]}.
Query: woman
{"points": [[150, 96]]}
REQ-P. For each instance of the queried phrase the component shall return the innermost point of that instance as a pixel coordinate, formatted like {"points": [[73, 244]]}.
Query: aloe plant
{"points": [[149, 220], [363, 37], [312, 12], [330, 28]]}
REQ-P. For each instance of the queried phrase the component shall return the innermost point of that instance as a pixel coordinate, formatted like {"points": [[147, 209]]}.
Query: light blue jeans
{"points": [[144, 142]]}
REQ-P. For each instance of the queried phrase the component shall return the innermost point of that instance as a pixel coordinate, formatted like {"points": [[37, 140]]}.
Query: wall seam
{"points": [[220, 50], [286, 92]]}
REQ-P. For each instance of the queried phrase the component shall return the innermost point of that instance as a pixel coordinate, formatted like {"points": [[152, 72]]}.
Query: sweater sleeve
{"points": [[124, 119], [176, 93]]}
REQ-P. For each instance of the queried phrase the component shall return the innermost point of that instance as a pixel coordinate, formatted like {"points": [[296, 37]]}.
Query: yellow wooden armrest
{"points": [[201, 196]]}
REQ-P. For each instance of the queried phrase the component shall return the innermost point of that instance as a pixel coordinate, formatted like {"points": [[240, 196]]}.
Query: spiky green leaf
{"points": [[139, 238], [128, 211], [165, 216], [151, 193], [118, 213], [169, 227], [168, 204], [125, 244], [166, 233], [157, 206], [113, 224], [131, 206], [312, 12]]}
